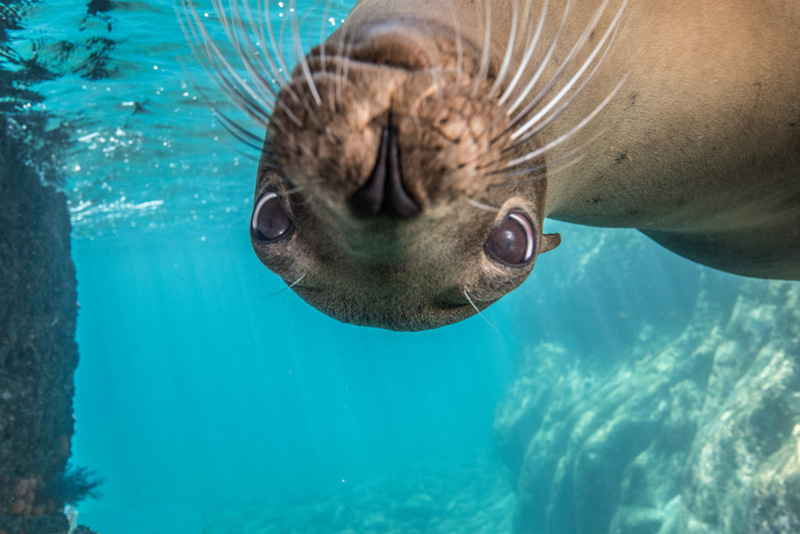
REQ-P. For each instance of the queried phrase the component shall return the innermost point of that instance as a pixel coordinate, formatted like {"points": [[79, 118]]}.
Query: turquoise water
{"points": [[208, 400]]}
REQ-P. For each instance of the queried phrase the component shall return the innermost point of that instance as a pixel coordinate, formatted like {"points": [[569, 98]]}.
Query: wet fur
{"points": [[687, 132]]}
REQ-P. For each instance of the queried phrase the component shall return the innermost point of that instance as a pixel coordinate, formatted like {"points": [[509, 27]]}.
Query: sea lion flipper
{"points": [[549, 242]]}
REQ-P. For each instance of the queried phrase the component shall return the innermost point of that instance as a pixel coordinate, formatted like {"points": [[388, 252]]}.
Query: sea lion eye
{"points": [[512, 241], [270, 220]]}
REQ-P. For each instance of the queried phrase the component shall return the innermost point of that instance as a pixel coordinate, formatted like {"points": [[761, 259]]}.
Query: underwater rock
{"points": [[695, 434], [467, 496], [38, 353]]}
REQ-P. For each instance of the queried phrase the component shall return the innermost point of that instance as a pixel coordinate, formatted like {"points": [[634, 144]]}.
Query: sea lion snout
{"points": [[385, 193]]}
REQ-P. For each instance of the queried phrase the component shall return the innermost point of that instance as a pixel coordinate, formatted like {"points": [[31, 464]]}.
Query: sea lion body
{"points": [[413, 157], [702, 149]]}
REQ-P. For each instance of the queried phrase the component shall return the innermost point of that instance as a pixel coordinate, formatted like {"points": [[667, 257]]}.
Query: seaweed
{"points": [[73, 485]]}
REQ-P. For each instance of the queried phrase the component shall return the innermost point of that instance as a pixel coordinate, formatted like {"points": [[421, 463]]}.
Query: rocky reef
{"points": [[692, 433], [461, 497], [38, 353], [38, 301]]}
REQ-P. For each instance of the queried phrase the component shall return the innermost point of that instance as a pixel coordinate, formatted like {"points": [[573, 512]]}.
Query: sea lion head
{"points": [[402, 179], [383, 196]]}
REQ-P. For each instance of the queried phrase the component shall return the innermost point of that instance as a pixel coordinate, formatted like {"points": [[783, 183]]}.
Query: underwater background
{"points": [[210, 400]]}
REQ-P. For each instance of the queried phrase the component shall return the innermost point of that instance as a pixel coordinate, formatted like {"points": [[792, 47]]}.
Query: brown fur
{"points": [[700, 148]]}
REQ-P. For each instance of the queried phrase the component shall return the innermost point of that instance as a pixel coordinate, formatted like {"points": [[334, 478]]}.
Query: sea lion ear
{"points": [[549, 242]]}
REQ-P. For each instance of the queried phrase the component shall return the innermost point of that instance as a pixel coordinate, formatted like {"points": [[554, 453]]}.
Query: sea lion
{"points": [[411, 159]]}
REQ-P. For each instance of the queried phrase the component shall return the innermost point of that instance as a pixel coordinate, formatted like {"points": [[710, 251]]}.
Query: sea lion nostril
{"points": [[384, 192]]}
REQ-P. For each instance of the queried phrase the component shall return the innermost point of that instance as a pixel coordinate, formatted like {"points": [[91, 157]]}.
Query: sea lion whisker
{"points": [[288, 286], [226, 79], [512, 42], [239, 132], [257, 105], [529, 177], [322, 48], [323, 53], [526, 58], [584, 37], [436, 76], [340, 68], [294, 190], [565, 165], [346, 64], [323, 41], [538, 152], [279, 53], [193, 29], [512, 38], [609, 33], [459, 41], [206, 50], [297, 281], [300, 55], [551, 167], [478, 311], [505, 173], [481, 205], [245, 49], [539, 174], [483, 69], [257, 46], [566, 104], [267, 34], [304, 67], [260, 50], [542, 65], [551, 162]]}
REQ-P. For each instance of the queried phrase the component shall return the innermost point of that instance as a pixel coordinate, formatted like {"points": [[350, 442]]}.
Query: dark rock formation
{"points": [[694, 434], [38, 353]]}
